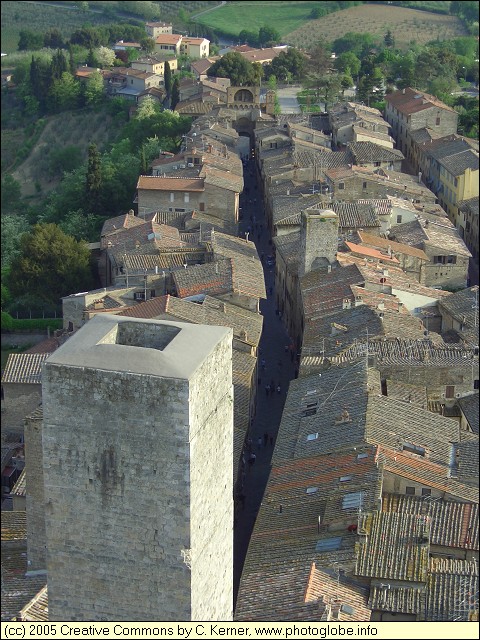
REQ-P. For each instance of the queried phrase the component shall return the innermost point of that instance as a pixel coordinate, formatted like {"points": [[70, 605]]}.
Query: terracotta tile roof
{"points": [[49, 345], [20, 488], [260, 55], [286, 539], [324, 293], [247, 325], [170, 184], [468, 459], [201, 66], [223, 179], [314, 405], [353, 215], [370, 152], [469, 406], [37, 609], [299, 591], [461, 306], [396, 247], [424, 135], [247, 270], [452, 590], [17, 588], [194, 106], [411, 233], [14, 526], [395, 546], [452, 524], [425, 472], [410, 101], [397, 598], [168, 38], [24, 368], [137, 262], [396, 424], [362, 250], [391, 277], [416, 395], [417, 352], [213, 278]]}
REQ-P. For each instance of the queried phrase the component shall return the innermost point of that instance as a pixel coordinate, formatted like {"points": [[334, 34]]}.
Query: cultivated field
{"points": [[35, 16], [407, 25], [78, 128], [236, 16]]}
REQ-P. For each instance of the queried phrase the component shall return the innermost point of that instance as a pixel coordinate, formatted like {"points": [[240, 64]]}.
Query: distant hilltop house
{"points": [[177, 44], [155, 29]]}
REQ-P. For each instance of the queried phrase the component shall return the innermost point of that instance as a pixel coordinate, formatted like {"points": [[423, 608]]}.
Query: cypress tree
{"points": [[94, 179], [167, 78]]}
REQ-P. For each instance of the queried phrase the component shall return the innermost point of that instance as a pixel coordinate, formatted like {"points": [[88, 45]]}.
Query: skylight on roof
{"points": [[312, 490], [328, 544], [345, 478], [353, 500], [361, 456], [312, 436]]}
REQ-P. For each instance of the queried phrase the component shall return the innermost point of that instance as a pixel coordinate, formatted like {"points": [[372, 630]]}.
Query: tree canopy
{"points": [[50, 265], [234, 66]]}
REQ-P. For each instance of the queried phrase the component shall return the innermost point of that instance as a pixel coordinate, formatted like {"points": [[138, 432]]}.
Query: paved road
{"points": [[278, 367], [287, 97]]}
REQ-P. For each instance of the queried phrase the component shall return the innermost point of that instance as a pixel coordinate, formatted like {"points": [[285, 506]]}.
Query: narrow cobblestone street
{"points": [[277, 371]]}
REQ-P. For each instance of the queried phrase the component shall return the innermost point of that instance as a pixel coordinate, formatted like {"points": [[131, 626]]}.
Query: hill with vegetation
{"points": [[408, 25]]}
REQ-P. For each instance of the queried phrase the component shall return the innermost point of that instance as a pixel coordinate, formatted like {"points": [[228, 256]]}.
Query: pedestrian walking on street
{"points": [[263, 364], [279, 389], [265, 439], [259, 442], [267, 390], [252, 459]]}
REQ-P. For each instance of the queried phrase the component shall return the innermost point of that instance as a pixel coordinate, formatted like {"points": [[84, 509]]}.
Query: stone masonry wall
{"points": [[211, 481], [35, 502], [117, 495]]}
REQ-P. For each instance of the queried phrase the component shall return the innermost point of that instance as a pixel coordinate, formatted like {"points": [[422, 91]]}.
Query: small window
{"points": [[399, 219], [449, 391], [410, 491], [475, 384], [364, 186], [341, 185], [437, 121], [426, 492], [309, 412], [186, 197], [202, 206], [172, 197]]}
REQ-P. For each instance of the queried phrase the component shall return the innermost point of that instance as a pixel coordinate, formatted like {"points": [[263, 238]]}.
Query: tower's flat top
{"points": [[150, 347]]}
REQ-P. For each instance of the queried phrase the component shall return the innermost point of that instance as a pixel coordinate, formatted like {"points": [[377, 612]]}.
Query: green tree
{"points": [[175, 97], [64, 93], [167, 78], [53, 39], [94, 179], [30, 40], [63, 159], [12, 228], [94, 92], [389, 40], [104, 57], [348, 62], [50, 265], [268, 36], [58, 65], [234, 66], [11, 195]]}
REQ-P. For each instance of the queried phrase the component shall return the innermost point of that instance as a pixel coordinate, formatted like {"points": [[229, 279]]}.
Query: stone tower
{"points": [[137, 445], [318, 239]]}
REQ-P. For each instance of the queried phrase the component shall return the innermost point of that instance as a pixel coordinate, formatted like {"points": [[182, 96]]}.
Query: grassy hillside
{"points": [[236, 16], [70, 129], [405, 24]]}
